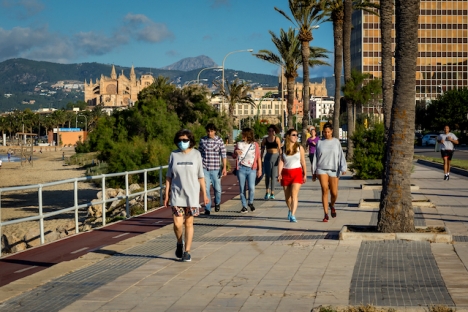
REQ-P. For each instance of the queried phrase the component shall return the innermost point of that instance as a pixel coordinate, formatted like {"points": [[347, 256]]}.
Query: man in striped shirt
{"points": [[212, 149]]}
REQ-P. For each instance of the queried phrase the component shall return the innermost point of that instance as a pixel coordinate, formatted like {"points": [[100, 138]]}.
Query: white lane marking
{"points": [[157, 222], [76, 251], [25, 269], [223, 192], [120, 235], [229, 188]]}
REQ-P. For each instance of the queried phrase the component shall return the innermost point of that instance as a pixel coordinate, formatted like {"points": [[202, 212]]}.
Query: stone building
{"points": [[116, 91]]}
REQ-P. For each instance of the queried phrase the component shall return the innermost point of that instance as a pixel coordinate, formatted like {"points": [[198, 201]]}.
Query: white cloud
{"points": [[41, 44]]}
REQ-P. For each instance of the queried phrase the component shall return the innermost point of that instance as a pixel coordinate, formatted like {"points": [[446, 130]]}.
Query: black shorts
{"points": [[447, 154]]}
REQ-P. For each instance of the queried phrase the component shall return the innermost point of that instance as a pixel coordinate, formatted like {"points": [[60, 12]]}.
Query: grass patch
{"points": [[459, 163]]}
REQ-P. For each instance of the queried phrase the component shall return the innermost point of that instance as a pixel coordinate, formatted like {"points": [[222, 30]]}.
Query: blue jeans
{"points": [[243, 174], [212, 177]]}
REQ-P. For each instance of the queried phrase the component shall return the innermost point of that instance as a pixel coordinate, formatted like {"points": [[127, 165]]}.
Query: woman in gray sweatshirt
{"points": [[329, 162]]}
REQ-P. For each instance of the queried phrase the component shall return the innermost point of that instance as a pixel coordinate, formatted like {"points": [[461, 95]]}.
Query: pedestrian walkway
{"points": [[261, 261]]}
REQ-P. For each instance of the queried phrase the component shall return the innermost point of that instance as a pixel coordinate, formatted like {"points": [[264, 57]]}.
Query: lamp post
{"points": [[222, 76], [198, 77]]}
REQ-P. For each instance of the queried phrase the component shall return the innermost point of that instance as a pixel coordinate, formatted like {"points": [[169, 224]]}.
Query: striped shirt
{"points": [[211, 150]]}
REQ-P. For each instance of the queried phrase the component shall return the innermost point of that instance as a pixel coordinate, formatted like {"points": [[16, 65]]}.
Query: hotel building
{"points": [[442, 62]]}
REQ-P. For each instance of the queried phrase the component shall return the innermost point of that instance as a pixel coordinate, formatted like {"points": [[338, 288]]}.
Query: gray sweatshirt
{"points": [[329, 156]]}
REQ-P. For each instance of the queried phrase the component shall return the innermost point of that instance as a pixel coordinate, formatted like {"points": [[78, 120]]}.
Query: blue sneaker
{"points": [[293, 219], [289, 215], [272, 196], [267, 196]]}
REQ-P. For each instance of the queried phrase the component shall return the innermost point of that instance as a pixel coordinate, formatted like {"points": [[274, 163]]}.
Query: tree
{"points": [[237, 92], [306, 14], [289, 57], [396, 212], [347, 26], [386, 26], [361, 88]]}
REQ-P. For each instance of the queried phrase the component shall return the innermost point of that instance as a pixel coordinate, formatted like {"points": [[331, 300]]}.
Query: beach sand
{"points": [[47, 166]]}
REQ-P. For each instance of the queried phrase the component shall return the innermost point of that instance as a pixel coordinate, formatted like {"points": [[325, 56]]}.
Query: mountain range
{"points": [[27, 84]]}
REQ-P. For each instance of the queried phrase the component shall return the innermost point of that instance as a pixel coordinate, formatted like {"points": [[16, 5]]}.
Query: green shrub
{"points": [[368, 152]]}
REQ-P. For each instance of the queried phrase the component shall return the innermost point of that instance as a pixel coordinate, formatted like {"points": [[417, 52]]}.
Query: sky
{"points": [[148, 33]]}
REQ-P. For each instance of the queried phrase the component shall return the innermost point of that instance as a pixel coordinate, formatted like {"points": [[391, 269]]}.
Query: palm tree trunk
{"points": [[386, 25], [305, 87], [290, 103], [338, 45], [396, 212], [348, 11]]}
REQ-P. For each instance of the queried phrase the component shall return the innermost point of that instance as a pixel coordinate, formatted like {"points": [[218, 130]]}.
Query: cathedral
{"points": [[115, 91]]}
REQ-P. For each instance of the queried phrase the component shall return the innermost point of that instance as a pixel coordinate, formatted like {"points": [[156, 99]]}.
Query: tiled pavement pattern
{"points": [[397, 273], [260, 261]]}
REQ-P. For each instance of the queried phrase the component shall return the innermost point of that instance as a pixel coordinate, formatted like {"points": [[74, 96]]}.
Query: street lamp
{"points": [[198, 77], [248, 50]]}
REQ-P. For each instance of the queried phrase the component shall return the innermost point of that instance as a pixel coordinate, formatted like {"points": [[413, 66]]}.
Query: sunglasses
{"points": [[293, 134], [183, 140]]}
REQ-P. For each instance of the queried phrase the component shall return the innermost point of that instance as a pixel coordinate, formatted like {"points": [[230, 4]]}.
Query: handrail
{"points": [[76, 207]]}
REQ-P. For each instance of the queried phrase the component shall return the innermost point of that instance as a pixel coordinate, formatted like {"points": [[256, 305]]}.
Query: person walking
{"points": [[213, 151], [328, 163], [272, 145], [248, 166], [184, 179], [312, 143], [447, 139], [292, 171]]}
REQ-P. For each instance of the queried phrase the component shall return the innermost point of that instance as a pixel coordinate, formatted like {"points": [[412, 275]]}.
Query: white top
{"points": [[447, 145], [292, 161], [247, 157]]}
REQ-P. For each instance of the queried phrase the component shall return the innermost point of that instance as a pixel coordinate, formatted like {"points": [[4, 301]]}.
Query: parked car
{"points": [[418, 139], [429, 139]]}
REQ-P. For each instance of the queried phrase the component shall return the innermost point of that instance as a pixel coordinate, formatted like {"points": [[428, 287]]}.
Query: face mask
{"points": [[183, 145]]}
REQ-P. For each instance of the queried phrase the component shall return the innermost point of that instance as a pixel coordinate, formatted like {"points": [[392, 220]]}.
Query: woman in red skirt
{"points": [[292, 171]]}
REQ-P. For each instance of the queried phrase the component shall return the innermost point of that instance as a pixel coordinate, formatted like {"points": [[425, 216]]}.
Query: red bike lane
{"points": [[33, 260]]}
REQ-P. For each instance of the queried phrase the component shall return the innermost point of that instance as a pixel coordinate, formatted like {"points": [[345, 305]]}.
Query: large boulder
{"points": [[134, 187]]}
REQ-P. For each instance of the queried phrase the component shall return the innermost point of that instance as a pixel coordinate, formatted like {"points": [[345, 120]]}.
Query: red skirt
{"points": [[290, 176]]}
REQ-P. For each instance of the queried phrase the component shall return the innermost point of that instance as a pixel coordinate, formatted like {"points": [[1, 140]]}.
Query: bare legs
{"points": [[446, 165], [291, 195], [328, 184], [179, 229]]}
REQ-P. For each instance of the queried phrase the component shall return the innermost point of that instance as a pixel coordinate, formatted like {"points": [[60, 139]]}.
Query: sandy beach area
{"points": [[47, 166]]}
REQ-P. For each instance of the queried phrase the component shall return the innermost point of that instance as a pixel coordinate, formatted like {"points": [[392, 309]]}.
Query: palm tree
{"points": [[347, 26], [306, 14], [334, 9], [396, 212], [290, 58], [237, 92], [386, 25]]}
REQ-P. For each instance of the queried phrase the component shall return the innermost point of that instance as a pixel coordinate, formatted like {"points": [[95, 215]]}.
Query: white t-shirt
{"points": [[292, 161], [447, 145], [247, 157]]}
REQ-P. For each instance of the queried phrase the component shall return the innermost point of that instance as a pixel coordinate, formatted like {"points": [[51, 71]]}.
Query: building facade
{"points": [[442, 62], [115, 91]]}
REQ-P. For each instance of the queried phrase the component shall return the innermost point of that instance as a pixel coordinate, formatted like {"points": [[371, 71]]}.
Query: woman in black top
{"points": [[272, 145]]}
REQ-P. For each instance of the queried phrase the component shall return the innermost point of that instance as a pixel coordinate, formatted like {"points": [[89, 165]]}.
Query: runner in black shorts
{"points": [[447, 141]]}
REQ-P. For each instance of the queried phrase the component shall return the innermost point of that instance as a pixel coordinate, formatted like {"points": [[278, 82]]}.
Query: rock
{"points": [[134, 187], [123, 214], [5, 245], [85, 228], [63, 235], [61, 228], [110, 192], [20, 246], [115, 204], [133, 202], [51, 237], [33, 237], [98, 220], [99, 195]]}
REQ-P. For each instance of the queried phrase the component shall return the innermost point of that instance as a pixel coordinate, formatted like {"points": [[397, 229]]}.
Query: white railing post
{"points": [[145, 178], [160, 187], [103, 186], [127, 202], [75, 192], [41, 220]]}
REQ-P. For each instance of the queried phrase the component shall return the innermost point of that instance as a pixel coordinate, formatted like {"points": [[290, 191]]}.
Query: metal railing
{"points": [[76, 207]]}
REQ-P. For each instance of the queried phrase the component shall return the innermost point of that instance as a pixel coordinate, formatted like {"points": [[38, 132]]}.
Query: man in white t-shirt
{"points": [[447, 141]]}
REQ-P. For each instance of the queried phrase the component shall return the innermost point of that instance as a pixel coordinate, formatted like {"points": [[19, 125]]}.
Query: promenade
{"points": [[262, 262]]}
